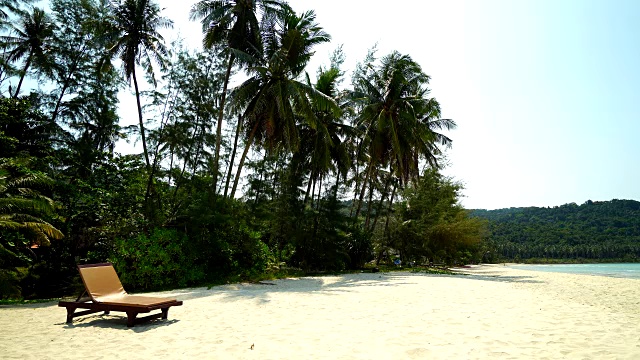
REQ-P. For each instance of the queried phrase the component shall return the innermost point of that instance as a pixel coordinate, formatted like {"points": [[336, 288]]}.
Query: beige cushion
{"points": [[103, 286]]}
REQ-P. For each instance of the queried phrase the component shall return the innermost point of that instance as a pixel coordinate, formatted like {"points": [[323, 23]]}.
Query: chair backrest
{"points": [[101, 281]]}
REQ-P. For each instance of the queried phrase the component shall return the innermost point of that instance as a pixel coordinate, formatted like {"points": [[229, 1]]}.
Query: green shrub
{"points": [[360, 248], [9, 288], [157, 261]]}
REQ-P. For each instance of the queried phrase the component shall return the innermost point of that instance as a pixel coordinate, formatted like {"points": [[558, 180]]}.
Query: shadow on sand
{"points": [[324, 285], [337, 284], [116, 322]]}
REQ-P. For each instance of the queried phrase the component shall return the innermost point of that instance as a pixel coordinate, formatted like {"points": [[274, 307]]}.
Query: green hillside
{"points": [[593, 231]]}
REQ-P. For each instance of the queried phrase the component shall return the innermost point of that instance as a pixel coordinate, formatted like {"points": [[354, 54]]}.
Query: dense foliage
{"points": [[332, 174], [593, 231], [430, 225]]}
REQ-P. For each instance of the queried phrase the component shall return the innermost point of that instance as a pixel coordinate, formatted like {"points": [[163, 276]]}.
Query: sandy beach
{"points": [[495, 312]]}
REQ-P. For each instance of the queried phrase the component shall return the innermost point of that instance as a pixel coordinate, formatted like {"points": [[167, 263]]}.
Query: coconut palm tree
{"points": [[132, 35], [236, 25], [272, 100], [10, 6], [5, 7], [323, 146], [399, 118], [28, 40]]}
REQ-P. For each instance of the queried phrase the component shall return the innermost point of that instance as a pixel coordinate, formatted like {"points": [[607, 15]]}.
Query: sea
{"points": [[622, 270]]}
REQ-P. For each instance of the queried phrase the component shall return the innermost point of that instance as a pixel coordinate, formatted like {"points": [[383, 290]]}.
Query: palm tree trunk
{"points": [[393, 194], [220, 116], [319, 194], [364, 186], [386, 227], [379, 209], [24, 73], [335, 192], [355, 195], [313, 191], [242, 159], [366, 222], [141, 122], [357, 177], [306, 194], [233, 155], [171, 152]]}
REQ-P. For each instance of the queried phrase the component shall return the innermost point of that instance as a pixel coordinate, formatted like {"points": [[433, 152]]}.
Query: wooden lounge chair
{"points": [[105, 293]]}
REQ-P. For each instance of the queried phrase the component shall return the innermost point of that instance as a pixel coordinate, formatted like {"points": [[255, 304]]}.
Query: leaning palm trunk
{"points": [[242, 159], [357, 178], [306, 194], [219, 125], [233, 156], [362, 190], [379, 209], [335, 192], [313, 191], [24, 73], [386, 228], [366, 222], [319, 194], [141, 122]]}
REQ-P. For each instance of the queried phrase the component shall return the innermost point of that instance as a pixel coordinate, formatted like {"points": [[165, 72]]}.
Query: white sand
{"points": [[495, 313]]}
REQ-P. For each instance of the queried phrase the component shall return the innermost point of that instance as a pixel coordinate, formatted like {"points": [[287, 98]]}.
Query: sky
{"points": [[544, 92]]}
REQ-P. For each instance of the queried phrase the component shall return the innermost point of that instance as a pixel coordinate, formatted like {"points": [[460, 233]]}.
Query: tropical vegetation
{"points": [[284, 172], [596, 231]]}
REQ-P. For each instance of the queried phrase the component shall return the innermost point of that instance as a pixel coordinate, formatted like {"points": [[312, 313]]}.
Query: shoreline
{"points": [[493, 312]]}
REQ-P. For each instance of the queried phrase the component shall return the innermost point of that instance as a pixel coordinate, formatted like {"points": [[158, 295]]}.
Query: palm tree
{"points": [[4, 15], [235, 24], [21, 205], [399, 118], [132, 35], [7, 6], [272, 100], [29, 39], [426, 138], [323, 146]]}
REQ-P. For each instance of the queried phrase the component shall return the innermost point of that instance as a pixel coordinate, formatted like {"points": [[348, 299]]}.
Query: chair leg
{"points": [[131, 318], [70, 312]]}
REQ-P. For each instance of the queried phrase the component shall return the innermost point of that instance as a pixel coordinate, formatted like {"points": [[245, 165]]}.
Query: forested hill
{"points": [[595, 230]]}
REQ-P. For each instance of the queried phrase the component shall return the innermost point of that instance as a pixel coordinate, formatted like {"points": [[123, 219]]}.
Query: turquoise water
{"points": [[627, 270]]}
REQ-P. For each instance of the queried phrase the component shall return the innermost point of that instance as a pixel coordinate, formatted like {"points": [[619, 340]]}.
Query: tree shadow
{"points": [[496, 276], [329, 285], [504, 278]]}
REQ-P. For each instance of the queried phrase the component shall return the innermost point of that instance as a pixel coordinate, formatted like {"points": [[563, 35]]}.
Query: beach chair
{"points": [[105, 293]]}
